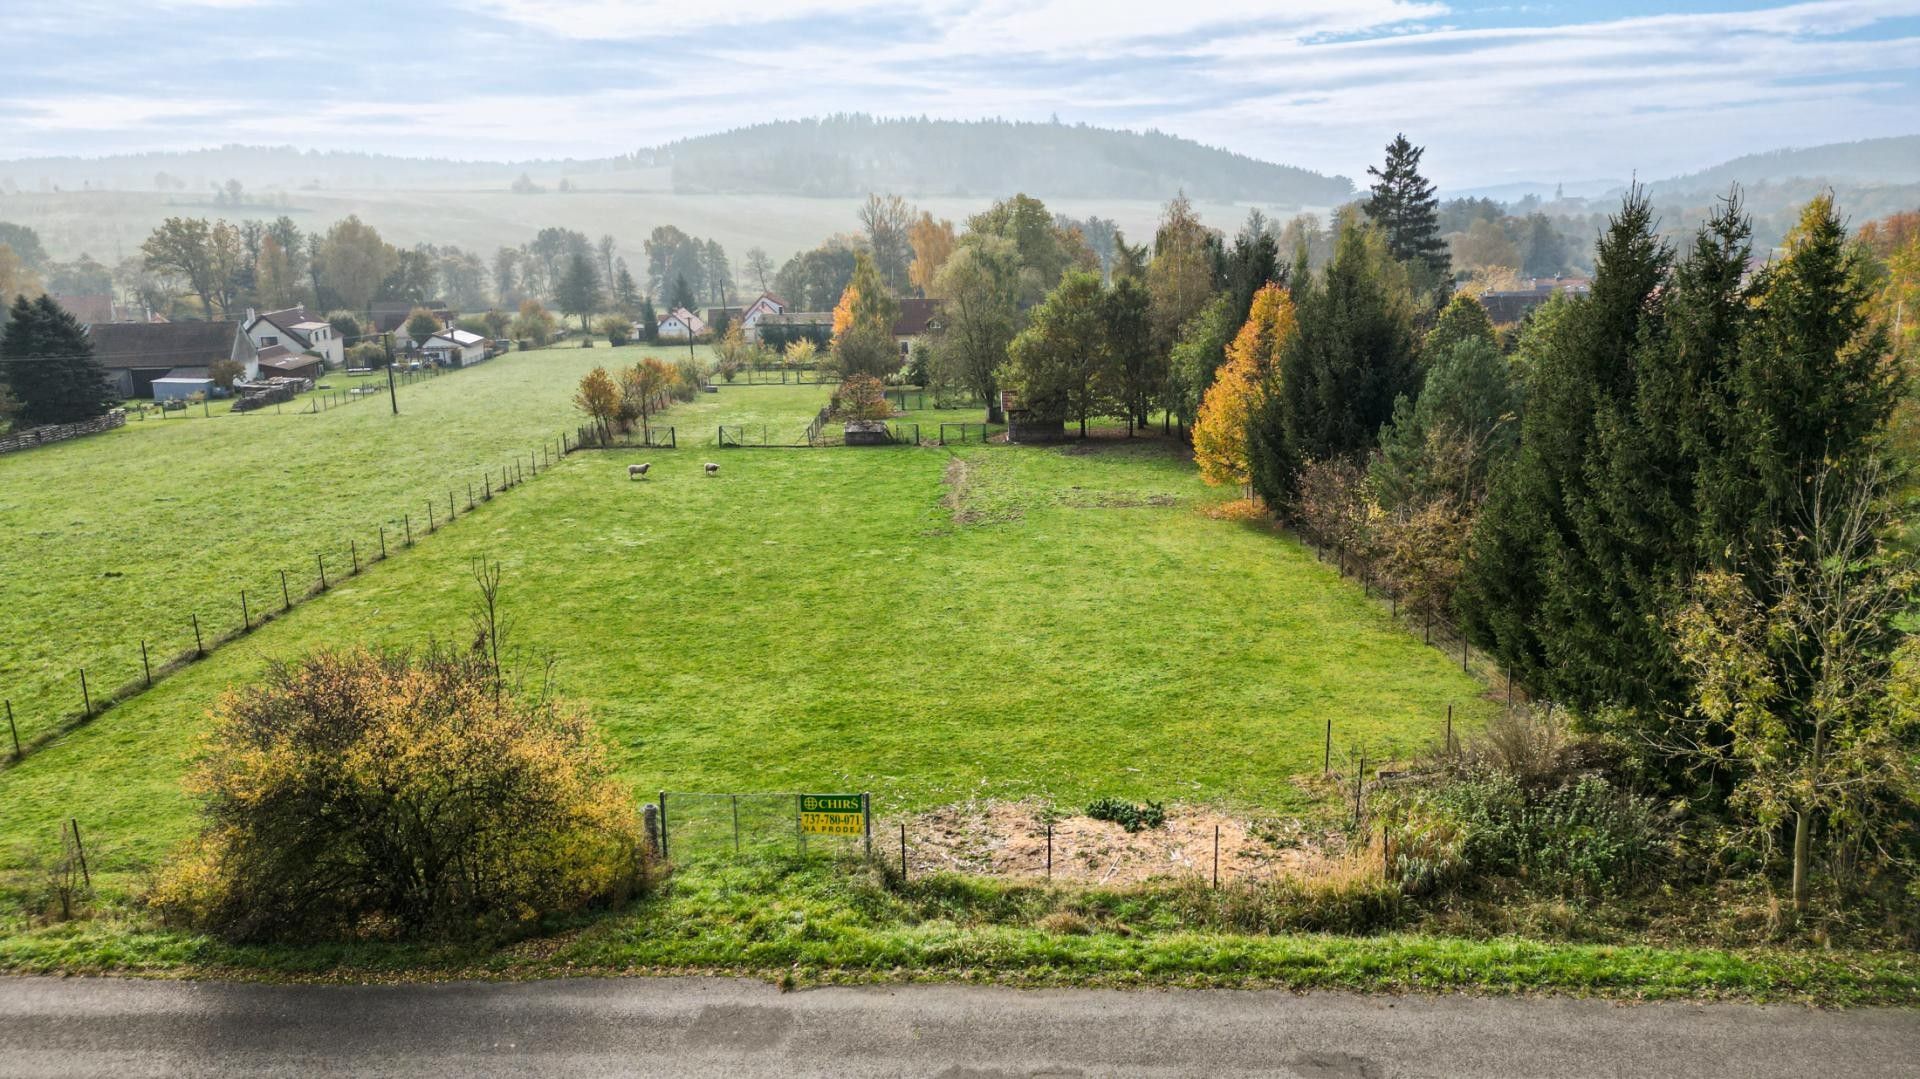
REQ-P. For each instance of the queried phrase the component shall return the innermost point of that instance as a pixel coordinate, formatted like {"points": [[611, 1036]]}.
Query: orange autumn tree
{"points": [[1253, 362]]}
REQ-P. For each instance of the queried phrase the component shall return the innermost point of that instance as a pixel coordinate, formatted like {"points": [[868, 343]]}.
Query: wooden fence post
{"points": [[81, 850], [198, 648], [286, 597], [353, 548], [14, 730], [246, 619], [86, 699], [320, 560], [146, 664]]}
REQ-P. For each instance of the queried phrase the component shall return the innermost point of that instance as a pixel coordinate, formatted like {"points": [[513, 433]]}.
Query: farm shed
{"points": [[175, 387], [136, 353], [278, 360]]}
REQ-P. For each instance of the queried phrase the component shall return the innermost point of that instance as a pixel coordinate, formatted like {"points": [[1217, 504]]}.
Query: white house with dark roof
{"points": [[298, 332]]}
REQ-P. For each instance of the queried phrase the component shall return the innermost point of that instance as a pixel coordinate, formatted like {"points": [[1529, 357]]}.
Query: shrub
{"points": [[1127, 815], [1583, 837], [616, 328], [362, 793], [693, 375], [861, 397], [367, 354], [225, 372], [1345, 895]]}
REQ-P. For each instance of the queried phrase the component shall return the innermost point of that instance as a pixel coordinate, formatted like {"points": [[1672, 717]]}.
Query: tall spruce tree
{"points": [[48, 363], [1542, 583], [1404, 205]]}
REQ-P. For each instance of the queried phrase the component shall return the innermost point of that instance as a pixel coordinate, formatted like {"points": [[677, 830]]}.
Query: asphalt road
{"points": [[703, 1026]]}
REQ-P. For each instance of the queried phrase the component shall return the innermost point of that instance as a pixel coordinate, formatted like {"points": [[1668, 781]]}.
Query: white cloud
{"points": [[1320, 83]]}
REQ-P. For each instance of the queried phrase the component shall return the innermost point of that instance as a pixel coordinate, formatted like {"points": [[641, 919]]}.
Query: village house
{"points": [[748, 318], [391, 316], [1506, 306], [135, 354], [454, 348], [680, 323], [295, 331]]}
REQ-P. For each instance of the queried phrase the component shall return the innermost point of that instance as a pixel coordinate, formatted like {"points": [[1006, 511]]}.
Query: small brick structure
{"points": [[60, 432]]}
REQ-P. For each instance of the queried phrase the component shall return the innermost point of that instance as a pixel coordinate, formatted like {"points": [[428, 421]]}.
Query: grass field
{"points": [[119, 538], [930, 625]]}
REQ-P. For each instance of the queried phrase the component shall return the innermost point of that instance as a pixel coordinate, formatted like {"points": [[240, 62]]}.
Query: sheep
{"points": [[712, 469], [639, 470]]}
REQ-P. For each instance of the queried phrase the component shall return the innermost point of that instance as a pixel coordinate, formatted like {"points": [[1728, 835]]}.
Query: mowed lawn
{"points": [[928, 625], [109, 540]]}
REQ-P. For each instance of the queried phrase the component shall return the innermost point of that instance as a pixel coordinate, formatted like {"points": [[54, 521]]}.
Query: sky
{"points": [[1496, 92]]}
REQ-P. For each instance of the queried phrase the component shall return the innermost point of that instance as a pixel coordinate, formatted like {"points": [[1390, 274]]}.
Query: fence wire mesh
{"points": [[704, 824]]}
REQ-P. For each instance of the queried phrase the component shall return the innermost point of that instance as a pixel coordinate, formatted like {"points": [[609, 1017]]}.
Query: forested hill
{"points": [[852, 155], [1892, 161]]}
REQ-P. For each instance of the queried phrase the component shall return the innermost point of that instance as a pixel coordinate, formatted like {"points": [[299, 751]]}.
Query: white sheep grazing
{"points": [[639, 470], [712, 469]]}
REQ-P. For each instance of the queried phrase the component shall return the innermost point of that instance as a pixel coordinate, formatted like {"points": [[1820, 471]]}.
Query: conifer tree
{"points": [[1340, 374], [48, 364], [1404, 205], [1541, 584]]}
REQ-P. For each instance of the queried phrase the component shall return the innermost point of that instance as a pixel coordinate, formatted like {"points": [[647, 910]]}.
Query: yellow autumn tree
{"points": [[933, 242], [1239, 388], [843, 311]]}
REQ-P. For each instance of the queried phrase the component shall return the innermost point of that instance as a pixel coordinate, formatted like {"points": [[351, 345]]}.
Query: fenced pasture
{"points": [[935, 625], [133, 535]]}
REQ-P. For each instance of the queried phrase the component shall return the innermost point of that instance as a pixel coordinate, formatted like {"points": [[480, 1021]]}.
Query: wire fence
{"points": [[1435, 630], [590, 437], [951, 433], [691, 824], [132, 665]]}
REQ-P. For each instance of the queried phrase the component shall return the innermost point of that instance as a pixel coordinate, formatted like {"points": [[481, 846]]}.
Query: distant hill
{"points": [[852, 155], [1869, 162], [835, 157]]}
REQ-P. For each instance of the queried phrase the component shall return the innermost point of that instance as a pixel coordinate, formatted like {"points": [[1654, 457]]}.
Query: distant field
{"points": [[122, 537], [110, 225], [930, 625]]}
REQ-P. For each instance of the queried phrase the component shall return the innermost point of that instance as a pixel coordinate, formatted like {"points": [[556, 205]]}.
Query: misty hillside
{"points": [[851, 155], [835, 157], [1891, 161]]}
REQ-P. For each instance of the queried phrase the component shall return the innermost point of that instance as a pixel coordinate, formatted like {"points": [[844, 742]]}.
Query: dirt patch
{"points": [[1115, 500], [1009, 839]]}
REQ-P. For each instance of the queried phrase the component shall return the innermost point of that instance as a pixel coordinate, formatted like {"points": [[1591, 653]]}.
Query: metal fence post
{"points": [[146, 664], [736, 823], [198, 648], [866, 820], [321, 561], [663, 825], [1326, 756], [1049, 850], [1449, 730], [800, 822], [246, 619], [15, 731], [1216, 857], [286, 597], [903, 852]]}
